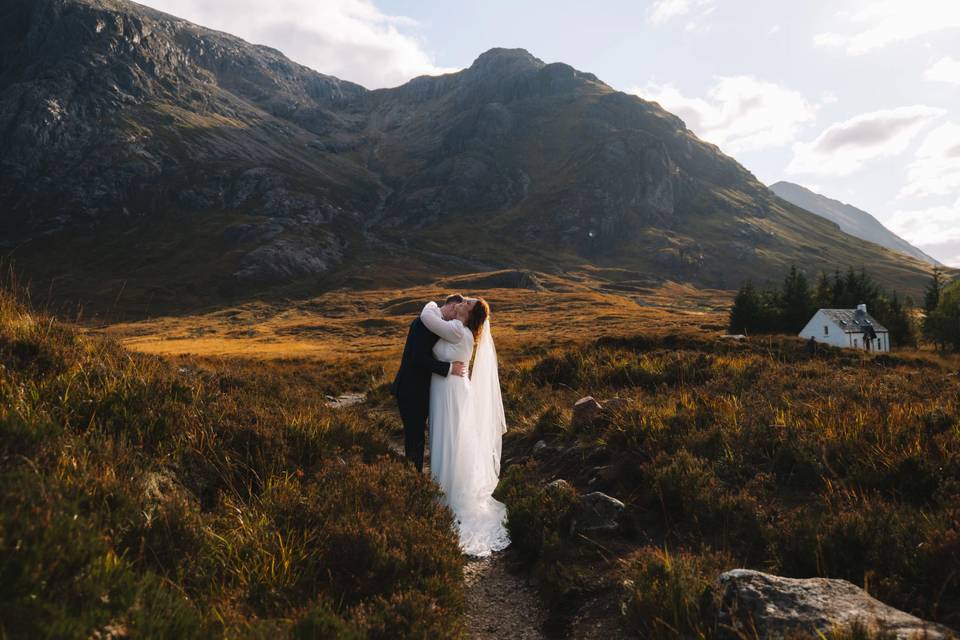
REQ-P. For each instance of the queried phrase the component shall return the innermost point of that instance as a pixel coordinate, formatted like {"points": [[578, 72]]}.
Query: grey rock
{"points": [[539, 448], [585, 412], [778, 606], [162, 492], [597, 512], [288, 259]]}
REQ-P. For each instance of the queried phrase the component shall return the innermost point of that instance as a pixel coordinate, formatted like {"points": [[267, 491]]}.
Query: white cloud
{"points": [[945, 69], [663, 11], [937, 225], [350, 39], [883, 22], [775, 29], [936, 168], [740, 113], [844, 147]]}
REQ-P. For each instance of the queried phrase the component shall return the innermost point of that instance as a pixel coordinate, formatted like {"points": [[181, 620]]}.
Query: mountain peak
{"points": [[501, 59]]}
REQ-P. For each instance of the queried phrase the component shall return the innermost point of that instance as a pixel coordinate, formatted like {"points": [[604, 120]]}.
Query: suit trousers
{"points": [[414, 417]]}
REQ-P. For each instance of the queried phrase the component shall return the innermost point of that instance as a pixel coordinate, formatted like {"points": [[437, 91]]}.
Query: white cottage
{"points": [[854, 328]]}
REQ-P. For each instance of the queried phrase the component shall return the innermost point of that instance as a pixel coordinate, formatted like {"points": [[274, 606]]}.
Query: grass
{"points": [[183, 477], [186, 498], [371, 325], [737, 455]]}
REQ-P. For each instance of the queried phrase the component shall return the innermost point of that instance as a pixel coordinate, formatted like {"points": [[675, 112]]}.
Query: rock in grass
{"points": [[597, 512], [779, 606], [585, 412], [162, 492], [539, 448], [560, 486]]}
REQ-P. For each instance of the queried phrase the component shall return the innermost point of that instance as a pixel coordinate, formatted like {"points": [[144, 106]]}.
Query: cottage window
{"points": [[826, 330]]}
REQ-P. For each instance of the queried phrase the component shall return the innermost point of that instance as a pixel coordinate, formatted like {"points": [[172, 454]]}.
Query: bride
{"points": [[467, 426]]}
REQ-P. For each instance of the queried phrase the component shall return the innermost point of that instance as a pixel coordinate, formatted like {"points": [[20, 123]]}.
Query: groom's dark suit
{"points": [[412, 387]]}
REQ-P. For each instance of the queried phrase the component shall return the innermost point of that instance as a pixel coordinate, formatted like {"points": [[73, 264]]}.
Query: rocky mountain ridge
{"points": [[852, 220], [185, 165]]}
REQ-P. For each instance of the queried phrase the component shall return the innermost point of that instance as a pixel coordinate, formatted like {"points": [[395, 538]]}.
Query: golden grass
{"points": [[373, 324]]}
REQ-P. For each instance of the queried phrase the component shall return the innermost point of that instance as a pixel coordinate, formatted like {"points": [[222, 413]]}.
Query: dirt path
{"points": [[499, 604]]}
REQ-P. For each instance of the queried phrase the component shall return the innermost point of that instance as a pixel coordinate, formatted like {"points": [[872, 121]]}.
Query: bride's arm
{"points": [[449, 330]]}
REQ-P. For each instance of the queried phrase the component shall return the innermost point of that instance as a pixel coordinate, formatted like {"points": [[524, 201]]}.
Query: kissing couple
{"points": [[464, 410]]}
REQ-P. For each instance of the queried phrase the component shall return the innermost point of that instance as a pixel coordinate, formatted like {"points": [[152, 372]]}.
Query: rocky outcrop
{"points": [[777, 606]]}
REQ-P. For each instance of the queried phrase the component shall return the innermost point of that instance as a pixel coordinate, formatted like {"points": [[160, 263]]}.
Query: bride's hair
{"points": [[478, 315]]}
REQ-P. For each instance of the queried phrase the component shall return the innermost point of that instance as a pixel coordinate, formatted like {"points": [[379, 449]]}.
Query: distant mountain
{"points": [[851, 220], [144, 155]]}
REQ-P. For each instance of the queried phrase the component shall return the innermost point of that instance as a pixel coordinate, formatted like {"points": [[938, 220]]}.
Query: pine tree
{"points": [[823, 297], [897, 317], [942, 325], [796, 301], [837, 293], [931, 296], [745, 313]]}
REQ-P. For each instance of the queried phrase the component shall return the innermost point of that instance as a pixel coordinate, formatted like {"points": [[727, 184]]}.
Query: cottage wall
{"points": [[833, 335]]}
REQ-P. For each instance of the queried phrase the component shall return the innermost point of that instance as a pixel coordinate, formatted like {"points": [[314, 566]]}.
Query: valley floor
{"points": [[724, 453], [373, 324]]}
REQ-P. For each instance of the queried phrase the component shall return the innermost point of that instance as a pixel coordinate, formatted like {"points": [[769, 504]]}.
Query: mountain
{"points": [[167, 166], [856, 222]]}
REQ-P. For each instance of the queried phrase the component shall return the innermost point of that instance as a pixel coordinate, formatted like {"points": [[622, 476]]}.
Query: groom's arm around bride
{"points": [[411, 387]]}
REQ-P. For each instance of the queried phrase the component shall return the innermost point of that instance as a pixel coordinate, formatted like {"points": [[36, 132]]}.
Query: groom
{"points": [[411, 387]]}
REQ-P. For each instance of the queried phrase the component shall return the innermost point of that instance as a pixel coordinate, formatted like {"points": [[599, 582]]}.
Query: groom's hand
{"points": [[458, 369]]}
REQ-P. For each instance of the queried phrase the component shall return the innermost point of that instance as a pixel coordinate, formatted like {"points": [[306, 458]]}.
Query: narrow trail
{"points": [[499, 604]]}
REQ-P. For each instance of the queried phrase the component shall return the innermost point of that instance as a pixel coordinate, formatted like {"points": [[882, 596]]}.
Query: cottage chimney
{"points": [[862, 308]]}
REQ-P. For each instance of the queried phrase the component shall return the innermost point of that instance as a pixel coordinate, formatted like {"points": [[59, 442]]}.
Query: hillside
{"points": [[167, 167], [854, 221]]}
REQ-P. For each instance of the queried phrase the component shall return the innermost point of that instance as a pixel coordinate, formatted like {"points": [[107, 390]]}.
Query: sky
{"points": [[858, 100]]}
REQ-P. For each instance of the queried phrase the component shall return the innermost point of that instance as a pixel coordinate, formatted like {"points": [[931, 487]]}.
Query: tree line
{"points": [[788, 308], [941, 325]]}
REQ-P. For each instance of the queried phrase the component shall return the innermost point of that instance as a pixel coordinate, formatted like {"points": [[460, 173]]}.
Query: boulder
{"points": [[585, 412], [162, 493], [778, 606], [539, 448], [597, 512]]}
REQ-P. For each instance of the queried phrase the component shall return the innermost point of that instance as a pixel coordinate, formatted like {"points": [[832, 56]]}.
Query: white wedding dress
{"points": [[466, 432]]}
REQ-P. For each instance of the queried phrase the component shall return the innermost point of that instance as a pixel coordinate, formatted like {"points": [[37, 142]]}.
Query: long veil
{"points": [[488, 401]]}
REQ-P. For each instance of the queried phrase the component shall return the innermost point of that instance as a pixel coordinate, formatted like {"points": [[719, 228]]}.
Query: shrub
{"points": [[671, 595]]}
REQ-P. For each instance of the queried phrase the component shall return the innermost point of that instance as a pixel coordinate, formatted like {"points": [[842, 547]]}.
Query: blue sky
{"points": [[858, 100]]}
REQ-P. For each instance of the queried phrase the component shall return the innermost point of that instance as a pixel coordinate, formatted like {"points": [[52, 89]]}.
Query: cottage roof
{"points": [[853, 320]]}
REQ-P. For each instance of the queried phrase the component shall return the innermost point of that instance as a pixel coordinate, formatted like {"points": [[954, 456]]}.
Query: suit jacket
{"points": [[412, 384]]}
